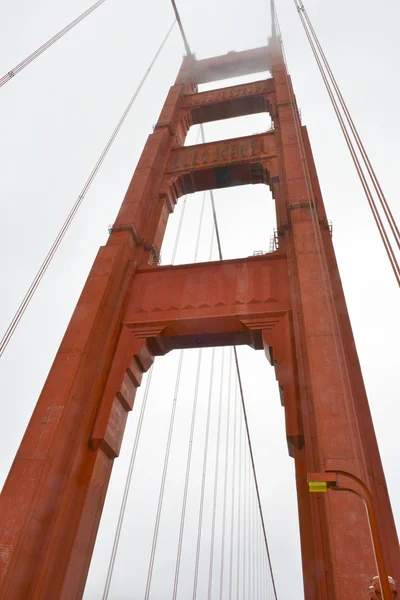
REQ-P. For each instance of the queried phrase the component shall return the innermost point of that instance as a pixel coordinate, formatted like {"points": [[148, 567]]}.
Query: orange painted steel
{"points": [[289, 303]]}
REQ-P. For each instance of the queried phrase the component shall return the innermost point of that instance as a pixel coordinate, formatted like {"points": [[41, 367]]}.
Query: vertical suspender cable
{"points": [[126, 489], [245, 525], [238, 564], [259, 593], [163, 479], [254, 548], [12, 72], [254, 472], [178, 234], [60, 236], [136, 442], [233, 493], [249, 539], [203, 202], [216, 476], [192, 429], [235, 351], [182, 216], [228, 423], [203, 483], [244, 406], [187, 476]]}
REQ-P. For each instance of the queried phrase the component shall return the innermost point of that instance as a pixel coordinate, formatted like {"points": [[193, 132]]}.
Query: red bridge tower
{"points": [[288, 303]]}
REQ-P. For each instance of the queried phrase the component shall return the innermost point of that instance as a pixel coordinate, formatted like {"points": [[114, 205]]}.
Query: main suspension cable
{"points": [[12, 72], [61, 234], [382, 198], [321, 61], [178, 18]]}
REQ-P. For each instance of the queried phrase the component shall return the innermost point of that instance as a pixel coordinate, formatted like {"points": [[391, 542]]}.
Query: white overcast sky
{"points": [[55, 118]]}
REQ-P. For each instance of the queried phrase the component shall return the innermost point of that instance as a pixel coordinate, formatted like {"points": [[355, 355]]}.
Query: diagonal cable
{"points": [[27, 61], [51, 253]]}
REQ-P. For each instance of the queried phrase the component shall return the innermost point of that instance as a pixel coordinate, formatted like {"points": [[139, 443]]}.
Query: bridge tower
{"points": [[288, 303]]}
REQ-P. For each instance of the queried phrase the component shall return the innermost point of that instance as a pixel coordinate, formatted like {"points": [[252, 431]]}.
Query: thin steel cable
{"points": [[244, 410], [317, 231], [187, 478], [239, 510], [244, 405], [371, 171], [238, 371], [233, 491], [266, 581], [163, 478], [178, 233], [216, 476], [203, 137], [250, 585], [211, 244], [204, 472], [134, 450], [378, 220], [320, 250], [258, 537], [50, 255], [325, 273], [127, 488], [321, 253], [264, 586], [181, 219], [12, 72], [178, 18], [192, 429], [245, 505], [226, 462], [254, 547], [203, 202]]}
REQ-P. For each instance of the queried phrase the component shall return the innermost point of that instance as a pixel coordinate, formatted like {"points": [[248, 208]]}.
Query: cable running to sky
{"points": [[331, 306], [12, 72], [60, 236], [351, 134]]}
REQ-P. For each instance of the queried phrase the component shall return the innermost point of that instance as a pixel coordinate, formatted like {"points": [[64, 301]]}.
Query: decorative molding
{"points": [[255, 148], [256, 88]]}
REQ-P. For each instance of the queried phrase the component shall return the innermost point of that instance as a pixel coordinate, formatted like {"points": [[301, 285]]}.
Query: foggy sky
{"points": [[55, 119]]}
